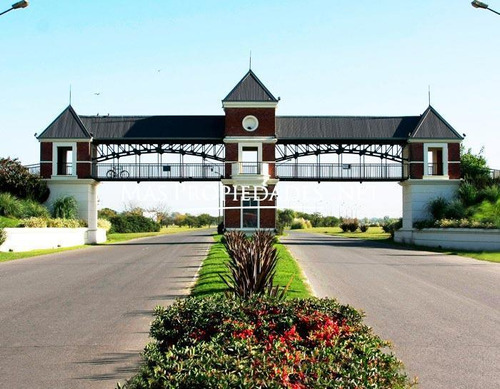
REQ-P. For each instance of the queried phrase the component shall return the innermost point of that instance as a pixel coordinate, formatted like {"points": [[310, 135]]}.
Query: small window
{"points": [[250, 214]]}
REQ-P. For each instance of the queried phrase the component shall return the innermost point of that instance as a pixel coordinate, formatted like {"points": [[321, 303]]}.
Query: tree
{"points": [[106, 213], [205, 220], [18, 181], [474, 168], [286, 216]]}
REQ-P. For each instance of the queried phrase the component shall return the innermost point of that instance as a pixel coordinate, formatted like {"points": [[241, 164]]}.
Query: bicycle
{"points": [[114, 173]]}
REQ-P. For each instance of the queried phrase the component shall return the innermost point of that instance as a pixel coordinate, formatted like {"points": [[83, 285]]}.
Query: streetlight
{"points": [[19, 4], [480, 4]]}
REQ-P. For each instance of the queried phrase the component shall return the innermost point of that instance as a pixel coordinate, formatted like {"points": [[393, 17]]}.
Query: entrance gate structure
{"points": [[250, 148]]}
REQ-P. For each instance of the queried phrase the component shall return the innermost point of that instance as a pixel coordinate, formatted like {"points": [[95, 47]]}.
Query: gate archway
{"points": [[250, 146]]}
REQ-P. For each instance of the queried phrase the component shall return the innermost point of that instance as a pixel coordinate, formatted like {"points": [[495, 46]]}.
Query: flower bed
{"points": [[218, 342]]}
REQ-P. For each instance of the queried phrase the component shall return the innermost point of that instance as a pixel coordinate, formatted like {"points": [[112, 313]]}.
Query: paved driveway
{"points": [[441, 312], [80, 319]]}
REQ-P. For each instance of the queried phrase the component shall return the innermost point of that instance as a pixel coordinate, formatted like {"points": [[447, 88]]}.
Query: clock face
{"points": [[250, 123]]}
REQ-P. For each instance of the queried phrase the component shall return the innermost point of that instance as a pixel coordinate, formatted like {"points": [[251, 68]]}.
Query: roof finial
{"points": [[69, 94], [429, 95], [250, 65]]}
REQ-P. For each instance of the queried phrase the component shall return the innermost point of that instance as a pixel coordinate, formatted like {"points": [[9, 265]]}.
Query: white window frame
{"points": [[444, 148], [241, 215], [55, 161]]}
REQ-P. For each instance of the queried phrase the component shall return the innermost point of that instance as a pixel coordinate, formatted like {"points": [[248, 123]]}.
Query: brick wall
{"points": [[265, 116]]}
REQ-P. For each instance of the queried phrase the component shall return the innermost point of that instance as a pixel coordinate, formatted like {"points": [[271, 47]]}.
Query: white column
{"points": [[418, 193], [85, 193]]}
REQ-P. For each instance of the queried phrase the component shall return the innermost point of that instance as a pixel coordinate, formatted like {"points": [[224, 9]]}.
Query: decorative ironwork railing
{"points": [[158, 172], [340, 172]]}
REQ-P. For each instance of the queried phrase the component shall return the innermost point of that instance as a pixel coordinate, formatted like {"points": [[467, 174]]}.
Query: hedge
{"points": [[133, 223], [218, 342]]}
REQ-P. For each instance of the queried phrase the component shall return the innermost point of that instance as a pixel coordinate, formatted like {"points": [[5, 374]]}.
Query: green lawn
{"points": [[209, 281], [376, 233], [112, 238], [483, 256], [121, 237], [373, 233], [4, 257]]}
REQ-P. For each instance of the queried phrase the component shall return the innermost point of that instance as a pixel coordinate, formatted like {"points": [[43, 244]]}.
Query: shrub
{"points": [[133, 223], [437, 208], [34, 222], [488, 212], [221, 228], [31, 208], [65, 208], [218, 342], [104, 224], [490, 193], [455, 210], [468, 193], [280, 228], [106, 213], [3, 236], [363, 228], [18, 181], [10, 205], [64, 223], [421, 224], [463, 223], [392, 226], [300, 224], [350, 225], [252, 264]]}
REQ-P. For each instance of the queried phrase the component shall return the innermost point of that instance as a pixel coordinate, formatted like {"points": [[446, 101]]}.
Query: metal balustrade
{"points": [[339, 172], [216, 171], [158, 172]]}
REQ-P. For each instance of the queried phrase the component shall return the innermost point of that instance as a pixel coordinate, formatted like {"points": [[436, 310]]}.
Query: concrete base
{"points": [[27, 239], [451, 238], [418, 193], [83, 190]]}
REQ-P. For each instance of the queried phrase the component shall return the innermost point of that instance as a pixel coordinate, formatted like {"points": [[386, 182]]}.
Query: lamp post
{"points": [[19, 4], [480, 4]]}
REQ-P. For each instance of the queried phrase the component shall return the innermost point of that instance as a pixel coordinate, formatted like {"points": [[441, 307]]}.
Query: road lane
{"points": [[442, 312], [79, 319]]}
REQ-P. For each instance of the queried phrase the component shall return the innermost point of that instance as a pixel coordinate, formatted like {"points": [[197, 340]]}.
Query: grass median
{"points": [[209, 281]]}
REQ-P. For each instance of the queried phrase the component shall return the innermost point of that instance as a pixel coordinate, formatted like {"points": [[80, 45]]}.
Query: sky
{"points": [[163, 57]]}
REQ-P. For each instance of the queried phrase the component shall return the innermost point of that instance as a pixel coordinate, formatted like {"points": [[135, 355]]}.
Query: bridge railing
{"points": [[340, 172], [156, 171]]}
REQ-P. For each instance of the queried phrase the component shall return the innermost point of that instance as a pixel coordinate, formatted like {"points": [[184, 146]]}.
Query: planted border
{"points": [[209, 281]]}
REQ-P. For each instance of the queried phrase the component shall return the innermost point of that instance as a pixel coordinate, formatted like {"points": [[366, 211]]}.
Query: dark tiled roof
{"points": [[250, 88], [433, 126], [155, 127], [69, 125], [66, 126], [302, 128]]}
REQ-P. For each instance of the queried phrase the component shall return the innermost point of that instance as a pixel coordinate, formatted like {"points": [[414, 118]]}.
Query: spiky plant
{"points": [[252, 264]]}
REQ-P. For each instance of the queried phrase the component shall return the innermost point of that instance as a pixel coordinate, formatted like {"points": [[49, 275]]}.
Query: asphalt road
{"points": [[441, 312], [80, 319]]}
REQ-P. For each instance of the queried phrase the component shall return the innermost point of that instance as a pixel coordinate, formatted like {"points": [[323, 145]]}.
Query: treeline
{"points": [[152, 220], [286, 218]]}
